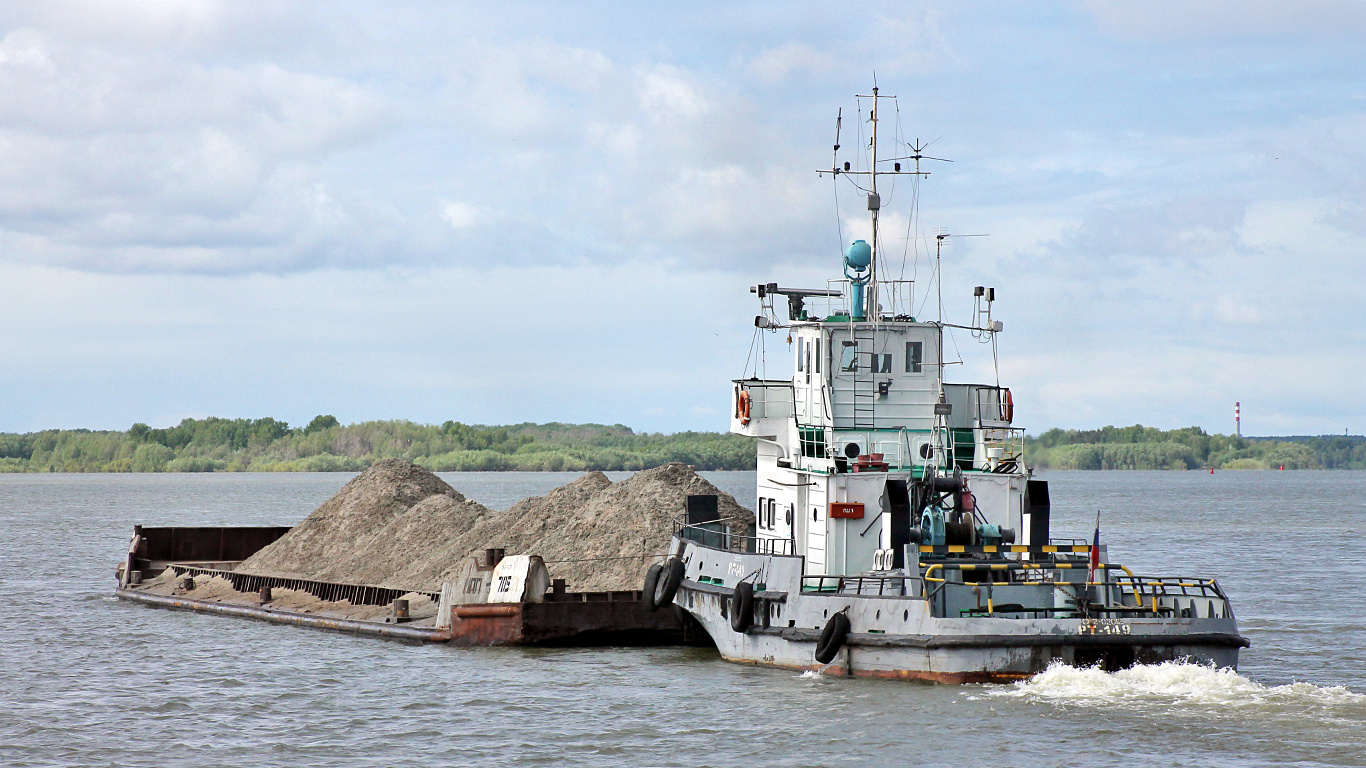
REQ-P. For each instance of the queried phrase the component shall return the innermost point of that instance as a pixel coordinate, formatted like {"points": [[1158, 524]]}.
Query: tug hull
{"points": [[896, 637]]}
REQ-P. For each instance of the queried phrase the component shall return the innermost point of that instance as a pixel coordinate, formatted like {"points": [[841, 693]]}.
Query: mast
{"points": [[872, 297], [874, 207]]}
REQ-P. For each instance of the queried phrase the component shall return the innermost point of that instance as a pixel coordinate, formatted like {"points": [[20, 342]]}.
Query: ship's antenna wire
{"points": [[835, 178], [750, 357], [995, 361], [763, 357]]}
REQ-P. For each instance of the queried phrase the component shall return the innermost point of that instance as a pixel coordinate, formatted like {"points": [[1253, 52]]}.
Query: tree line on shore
{"points": [[1140, 447], [326, 445]]}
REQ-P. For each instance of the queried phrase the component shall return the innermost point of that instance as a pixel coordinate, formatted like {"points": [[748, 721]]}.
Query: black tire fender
{"points": [[647, 590], [832, 638], [742, 607], [666, 585]]}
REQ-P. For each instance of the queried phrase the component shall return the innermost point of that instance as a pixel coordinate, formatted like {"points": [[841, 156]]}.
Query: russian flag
{"points": [[1095, 552]]}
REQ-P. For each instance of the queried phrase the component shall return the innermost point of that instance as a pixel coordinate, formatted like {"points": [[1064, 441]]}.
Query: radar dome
{"points": [[858, 255]]}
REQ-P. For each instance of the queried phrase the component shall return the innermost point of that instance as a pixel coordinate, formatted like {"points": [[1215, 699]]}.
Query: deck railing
{"points": [[718, 536], [886, 586]]}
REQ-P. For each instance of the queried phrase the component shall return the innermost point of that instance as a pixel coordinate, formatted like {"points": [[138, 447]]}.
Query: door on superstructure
{"points": [[813, 523], [844, 362], [815, 393]]}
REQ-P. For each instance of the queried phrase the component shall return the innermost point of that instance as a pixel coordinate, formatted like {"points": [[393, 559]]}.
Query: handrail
{"points": [[886, 585], [927, 576], [732, 542]]}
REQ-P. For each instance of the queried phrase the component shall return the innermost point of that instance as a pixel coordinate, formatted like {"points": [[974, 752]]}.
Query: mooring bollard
{"points": [[265, 595], [187, 583], [557, 586], [134, 578], [400, 609]]}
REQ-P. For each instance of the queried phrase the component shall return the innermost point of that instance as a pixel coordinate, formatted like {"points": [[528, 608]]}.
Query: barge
{"points": [[196, 569]]}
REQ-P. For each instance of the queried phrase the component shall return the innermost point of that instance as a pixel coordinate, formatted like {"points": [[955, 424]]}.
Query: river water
{"points": [[91, 681]]}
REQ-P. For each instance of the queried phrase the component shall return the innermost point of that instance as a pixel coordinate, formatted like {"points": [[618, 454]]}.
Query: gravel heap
{"points": [[399, 525]]}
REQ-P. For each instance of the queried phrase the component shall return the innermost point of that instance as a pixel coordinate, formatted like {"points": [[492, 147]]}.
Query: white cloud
{"points": [[24, 48], [667, 93], [461, 215], [790, 58], [1224, 19]]}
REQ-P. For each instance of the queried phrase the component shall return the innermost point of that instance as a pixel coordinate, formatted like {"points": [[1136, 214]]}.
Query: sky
{"points": [[498, 213]]}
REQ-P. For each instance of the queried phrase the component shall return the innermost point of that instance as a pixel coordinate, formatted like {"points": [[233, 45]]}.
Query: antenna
{"points": [[839, 121], [938, 267], [873, 197]]}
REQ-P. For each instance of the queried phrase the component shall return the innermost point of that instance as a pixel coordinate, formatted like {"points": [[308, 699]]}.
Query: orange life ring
{"points": [[742, 407], [1007, 406]]}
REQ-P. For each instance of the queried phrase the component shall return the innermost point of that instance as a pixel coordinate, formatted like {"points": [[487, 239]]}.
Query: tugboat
{"points": [[898, 532]]}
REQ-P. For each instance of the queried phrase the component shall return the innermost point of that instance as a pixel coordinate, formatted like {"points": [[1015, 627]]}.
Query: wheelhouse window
{"points": [[914, 350], [849, 357], [800, 361], [818, 355]]}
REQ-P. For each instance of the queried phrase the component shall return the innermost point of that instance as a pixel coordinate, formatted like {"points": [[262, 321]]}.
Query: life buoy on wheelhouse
{"points": [[742, 407], [1007, 406]]}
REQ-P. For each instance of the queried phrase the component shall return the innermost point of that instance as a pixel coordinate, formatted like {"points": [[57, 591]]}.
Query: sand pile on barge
{"points": [[356, 535], [399, 525]]}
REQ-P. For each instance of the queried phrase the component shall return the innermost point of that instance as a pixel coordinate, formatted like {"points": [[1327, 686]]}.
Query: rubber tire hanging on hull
{"points": [[832, 638], [666, 584], [742, 607], [647, 590]]}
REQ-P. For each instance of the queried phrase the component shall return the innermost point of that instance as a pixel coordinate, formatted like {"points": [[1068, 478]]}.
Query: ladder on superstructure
{"points": [[865, 381]]}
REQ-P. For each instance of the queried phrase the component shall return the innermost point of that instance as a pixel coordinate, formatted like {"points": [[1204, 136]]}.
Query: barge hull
{"points": [[564, 618], [274, 616]]}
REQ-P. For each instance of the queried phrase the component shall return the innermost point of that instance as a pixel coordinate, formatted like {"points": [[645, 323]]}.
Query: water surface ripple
{"points": [[89, 680]]}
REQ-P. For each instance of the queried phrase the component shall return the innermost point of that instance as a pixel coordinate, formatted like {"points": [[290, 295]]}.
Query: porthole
{"points": [[878, 615], [827, 613], [905, 615]]}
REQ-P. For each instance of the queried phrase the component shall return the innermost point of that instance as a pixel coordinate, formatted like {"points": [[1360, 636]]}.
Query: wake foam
{"points": [[1173, 683]]}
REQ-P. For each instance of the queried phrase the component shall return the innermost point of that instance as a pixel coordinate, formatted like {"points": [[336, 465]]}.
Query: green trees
{"points": [[1140, 447], [319, 423], [325, 445]]}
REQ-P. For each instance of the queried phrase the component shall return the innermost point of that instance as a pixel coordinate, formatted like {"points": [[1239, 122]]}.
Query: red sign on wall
{"points": [[842, 511]]}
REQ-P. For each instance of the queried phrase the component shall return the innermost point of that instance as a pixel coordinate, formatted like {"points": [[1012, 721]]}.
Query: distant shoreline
{"points": [[325, 445]]}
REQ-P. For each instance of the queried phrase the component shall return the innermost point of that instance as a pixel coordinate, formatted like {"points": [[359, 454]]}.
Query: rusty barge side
{"points": [[276, 616], [562, 618]]}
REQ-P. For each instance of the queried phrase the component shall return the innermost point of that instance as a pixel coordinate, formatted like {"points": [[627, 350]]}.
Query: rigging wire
{"points": [[750, 357], [995, 361]]}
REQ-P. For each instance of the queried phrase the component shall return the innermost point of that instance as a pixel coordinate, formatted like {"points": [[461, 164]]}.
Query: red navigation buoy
{"points": [[1211, 470]]}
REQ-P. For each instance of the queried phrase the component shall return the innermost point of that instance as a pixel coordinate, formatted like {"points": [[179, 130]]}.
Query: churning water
{"points": [[91, 681]]}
